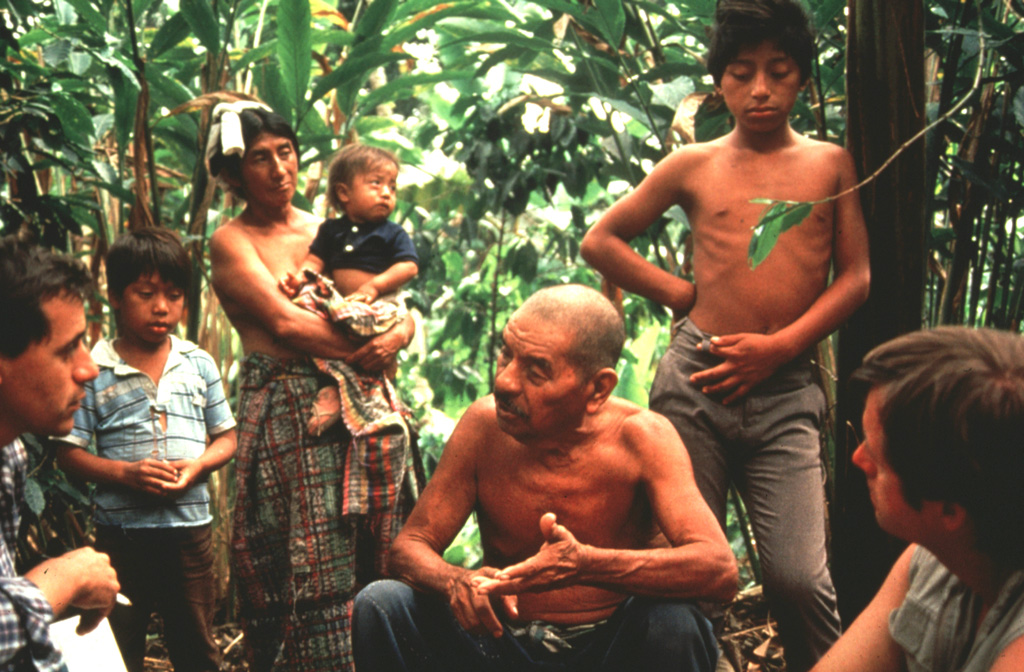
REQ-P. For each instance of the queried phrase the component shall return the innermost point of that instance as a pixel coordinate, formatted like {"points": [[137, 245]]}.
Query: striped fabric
{"points": [[25, 614], [123, 408], [299, 547]]}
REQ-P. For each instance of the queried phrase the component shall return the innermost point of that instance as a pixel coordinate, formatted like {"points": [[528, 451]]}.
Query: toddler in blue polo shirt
{"points": [[156, 402], [366, 256]]}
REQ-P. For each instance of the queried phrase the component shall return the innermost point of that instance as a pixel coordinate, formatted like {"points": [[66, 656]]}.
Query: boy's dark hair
{"points": [[143, 252], [951, 405], [748, 23], [352, 160], [254, 122], [30, 276]]}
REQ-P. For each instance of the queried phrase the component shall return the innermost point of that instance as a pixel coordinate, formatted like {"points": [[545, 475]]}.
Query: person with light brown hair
{"points": [[943, 452], [366, 255]]}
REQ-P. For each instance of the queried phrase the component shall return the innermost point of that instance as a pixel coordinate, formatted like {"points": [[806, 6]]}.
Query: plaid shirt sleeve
{"points": [[25, 614]]}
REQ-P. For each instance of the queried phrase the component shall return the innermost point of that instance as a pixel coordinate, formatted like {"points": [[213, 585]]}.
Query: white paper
{"points": [[93, 651]]}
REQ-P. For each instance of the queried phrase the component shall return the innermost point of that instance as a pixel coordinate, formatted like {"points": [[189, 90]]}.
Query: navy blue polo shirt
{"points": [[342, 243]]}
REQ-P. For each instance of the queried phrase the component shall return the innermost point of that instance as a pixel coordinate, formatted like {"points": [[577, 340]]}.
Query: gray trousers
{"points": [[767, 443]]}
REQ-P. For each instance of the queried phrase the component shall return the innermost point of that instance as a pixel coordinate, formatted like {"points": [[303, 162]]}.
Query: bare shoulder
{"points": [[480, 413], [641, 430], [478, 426], [828, 157], [692, 156], [226, 237]]}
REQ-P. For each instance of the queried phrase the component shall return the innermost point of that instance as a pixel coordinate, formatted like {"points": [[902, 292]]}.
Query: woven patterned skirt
{"points": [[298, 560]]}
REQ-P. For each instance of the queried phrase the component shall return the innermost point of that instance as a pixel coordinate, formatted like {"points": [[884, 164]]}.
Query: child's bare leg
{"points": [[326, 410]]}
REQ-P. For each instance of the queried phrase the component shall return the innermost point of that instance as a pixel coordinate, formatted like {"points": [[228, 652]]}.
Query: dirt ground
{"points": [[748, 641]]}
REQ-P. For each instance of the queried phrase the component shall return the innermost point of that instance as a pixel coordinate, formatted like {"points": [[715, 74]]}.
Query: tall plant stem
{"points": [[494, 301], [147, 139]]}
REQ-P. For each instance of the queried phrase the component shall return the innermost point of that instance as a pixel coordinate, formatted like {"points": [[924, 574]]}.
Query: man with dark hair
{"points": [[313, 519], [44, 366], [594, 535], [943, 454]]}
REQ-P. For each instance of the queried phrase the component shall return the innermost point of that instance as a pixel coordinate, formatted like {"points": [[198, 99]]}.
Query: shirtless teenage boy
{"points": [[293, 552], [738, 381], [591, 524]]}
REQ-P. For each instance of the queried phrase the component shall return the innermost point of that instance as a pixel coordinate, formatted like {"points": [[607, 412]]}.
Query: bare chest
{"points": [[283, 252], [731, 185], [599, 505]]}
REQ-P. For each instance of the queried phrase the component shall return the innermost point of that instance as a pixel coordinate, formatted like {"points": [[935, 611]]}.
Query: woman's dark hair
{"points": [[254, 122]]}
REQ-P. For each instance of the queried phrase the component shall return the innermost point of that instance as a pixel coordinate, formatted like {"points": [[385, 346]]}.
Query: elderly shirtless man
{"points": [[293, 550], [595, 536]]}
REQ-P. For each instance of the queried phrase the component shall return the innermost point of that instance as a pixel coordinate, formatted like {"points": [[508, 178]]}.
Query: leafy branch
{"points": [[779, 216]]}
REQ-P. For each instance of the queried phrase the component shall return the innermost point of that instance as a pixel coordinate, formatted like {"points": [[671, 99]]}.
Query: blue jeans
{"points": [[397, 628]]}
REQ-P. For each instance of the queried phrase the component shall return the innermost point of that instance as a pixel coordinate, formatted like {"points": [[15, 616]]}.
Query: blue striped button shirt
{"points": [[123, 408]]}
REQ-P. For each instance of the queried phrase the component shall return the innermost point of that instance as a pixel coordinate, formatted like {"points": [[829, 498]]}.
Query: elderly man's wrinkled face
{"points": [[270, 171], [537, 392]]}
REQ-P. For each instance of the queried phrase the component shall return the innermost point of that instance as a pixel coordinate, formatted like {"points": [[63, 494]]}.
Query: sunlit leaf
{"points": [[34, 497], [74, 117], [293, 49], [613, 21], [375, 18], [1018, 106], [172, 32], [778, 217], [200, 16], [357, 68]]}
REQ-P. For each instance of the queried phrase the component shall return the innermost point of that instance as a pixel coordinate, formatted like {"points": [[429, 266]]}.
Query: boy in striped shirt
{"points": [[151, 410]]}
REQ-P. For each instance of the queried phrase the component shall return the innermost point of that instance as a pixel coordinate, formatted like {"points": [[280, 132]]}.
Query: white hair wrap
{"points": [[226, 128]]}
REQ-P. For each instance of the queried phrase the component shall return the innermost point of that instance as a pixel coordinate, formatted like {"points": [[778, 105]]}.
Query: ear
{"points": [[953, 516], [601, 386], [341, 191], [231, 179]]}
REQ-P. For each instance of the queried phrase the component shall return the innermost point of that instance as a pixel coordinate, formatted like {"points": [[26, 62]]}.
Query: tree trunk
{"points": [[885, 91]]}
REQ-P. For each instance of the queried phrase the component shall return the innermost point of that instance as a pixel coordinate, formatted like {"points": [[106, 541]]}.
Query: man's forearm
{"points": [[422, 569], [307, 332], [695, 571]]}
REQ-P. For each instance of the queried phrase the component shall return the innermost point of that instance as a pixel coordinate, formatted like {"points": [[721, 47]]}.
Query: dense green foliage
{"points": [[518, 122]]}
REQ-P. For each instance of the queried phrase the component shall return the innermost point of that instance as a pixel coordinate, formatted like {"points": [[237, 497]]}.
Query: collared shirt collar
{"points": [[105, 355]]}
